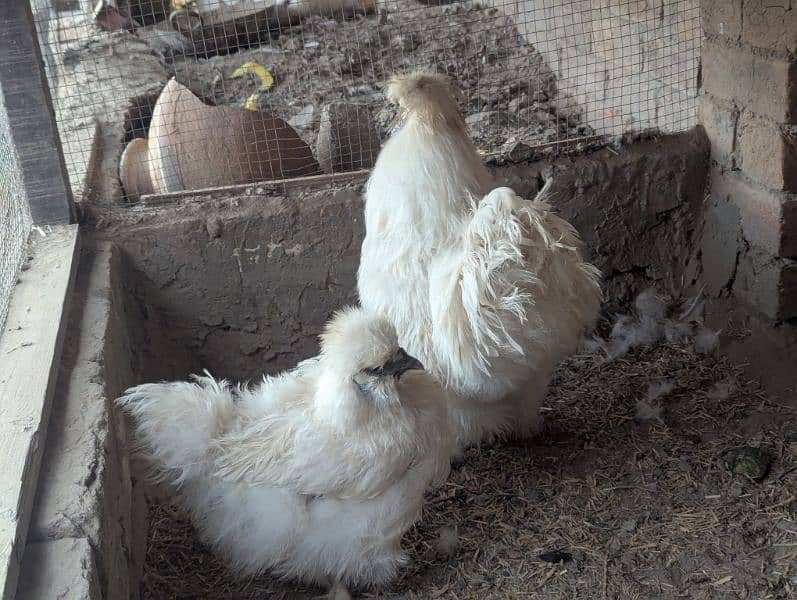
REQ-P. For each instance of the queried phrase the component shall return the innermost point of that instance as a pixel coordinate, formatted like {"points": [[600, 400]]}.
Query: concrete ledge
{"points": [[61, 569], [85, 488], [30, 352]]}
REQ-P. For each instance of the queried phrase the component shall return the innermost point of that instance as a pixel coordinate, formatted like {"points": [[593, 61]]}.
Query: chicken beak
{"points": [[400, 364]]}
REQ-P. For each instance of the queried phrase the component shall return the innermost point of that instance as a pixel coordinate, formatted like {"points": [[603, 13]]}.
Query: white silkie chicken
{"points": [[315, 474], [487, 289]]}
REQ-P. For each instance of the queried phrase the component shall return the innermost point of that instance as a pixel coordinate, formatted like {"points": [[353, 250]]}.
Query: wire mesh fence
{"points": [[207, 93], [15, 220]]}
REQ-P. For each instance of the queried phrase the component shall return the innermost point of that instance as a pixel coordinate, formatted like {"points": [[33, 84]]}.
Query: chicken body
{"points": [[487, 289], [314, 474]]}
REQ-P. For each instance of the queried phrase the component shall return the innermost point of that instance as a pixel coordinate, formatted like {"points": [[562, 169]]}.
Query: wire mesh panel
{"points": [[207, 93], [15, 221]]}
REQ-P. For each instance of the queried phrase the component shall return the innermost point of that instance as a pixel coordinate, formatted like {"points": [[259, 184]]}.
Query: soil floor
{"points": [[509, 93], [633, 509]]}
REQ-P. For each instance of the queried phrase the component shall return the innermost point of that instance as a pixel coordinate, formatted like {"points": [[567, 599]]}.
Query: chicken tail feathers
{"points": [[484, 294], [486, 291], [176, 423]]}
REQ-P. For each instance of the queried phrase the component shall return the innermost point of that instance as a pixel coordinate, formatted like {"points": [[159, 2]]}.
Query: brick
{"points": [[768, 152], [769, 218], [722, 17], [719, 244], [771, 25], [720, 119], [767, 283], [767, 86]]}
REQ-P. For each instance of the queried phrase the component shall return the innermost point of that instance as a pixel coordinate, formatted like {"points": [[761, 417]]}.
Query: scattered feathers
{"points": [[447, 542], [706, 341], [652, 321], [650, 408], [722, 390]]}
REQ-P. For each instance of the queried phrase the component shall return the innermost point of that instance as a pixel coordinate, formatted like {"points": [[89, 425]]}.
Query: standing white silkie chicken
{"points": [[314, 474], [488, 290]]}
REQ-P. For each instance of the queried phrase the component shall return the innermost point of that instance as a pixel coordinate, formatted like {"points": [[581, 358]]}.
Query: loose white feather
{"points": [[650, 407]]}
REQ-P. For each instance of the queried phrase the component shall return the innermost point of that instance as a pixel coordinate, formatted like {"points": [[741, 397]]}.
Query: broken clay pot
{"points": [[193, 146], [348, 139]]}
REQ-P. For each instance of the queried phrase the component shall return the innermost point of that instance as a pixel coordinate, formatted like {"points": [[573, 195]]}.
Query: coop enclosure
{"points": [[271, 90], [16, 222], [172, 123]]}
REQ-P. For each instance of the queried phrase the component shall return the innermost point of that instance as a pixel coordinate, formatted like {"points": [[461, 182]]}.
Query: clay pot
{"points": [[347, 138], [193, 146]]}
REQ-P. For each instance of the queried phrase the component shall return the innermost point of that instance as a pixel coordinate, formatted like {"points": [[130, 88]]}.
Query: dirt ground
{"points": [[509, 92], [633, 509]]}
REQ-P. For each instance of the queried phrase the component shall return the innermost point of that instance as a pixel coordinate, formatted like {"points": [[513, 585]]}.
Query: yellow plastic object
{"points": [[251, 102], [259, 71], [181, 4]]}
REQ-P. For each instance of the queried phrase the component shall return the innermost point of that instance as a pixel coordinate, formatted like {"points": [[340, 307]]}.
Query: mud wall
{"points": [[87, 533], [244, 284]]}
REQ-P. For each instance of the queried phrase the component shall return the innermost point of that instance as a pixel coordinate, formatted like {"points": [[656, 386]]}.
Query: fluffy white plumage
{"points": [[314, 474], [489, 294]]}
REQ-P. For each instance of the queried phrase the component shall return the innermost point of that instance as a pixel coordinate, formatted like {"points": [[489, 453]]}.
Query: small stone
{"points": [[292, 43], [555, 556], [516, 151], [360, 90], [518, 103], [479, 122], [629, 526], [747, 461], [213, 226], [567, 108], [304, 118]]}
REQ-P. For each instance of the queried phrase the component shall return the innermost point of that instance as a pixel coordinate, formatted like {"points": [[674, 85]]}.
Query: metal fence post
{"points": [[28, 104]]}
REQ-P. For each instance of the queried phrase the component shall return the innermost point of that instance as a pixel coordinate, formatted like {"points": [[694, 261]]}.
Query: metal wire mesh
{"points": [[273, 89], [15, 221]]}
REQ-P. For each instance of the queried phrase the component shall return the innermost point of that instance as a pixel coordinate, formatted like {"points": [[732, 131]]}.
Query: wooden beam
{"points": [[30, 355], [267, 188], [26, 96]]}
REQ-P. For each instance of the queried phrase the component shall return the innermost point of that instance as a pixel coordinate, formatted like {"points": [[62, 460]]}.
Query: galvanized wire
{"points": [[541, 74], [15, 221]]}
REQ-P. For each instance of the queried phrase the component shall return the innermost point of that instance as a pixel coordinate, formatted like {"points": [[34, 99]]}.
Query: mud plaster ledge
{"points": [[242, 285]]}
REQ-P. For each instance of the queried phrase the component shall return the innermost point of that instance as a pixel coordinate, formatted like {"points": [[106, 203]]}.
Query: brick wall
{"points": [[632, 64], [748, 106]]}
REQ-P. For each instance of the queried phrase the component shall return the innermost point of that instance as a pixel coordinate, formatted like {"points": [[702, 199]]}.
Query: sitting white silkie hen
{"points": [[488, 290], [315, 474]]}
